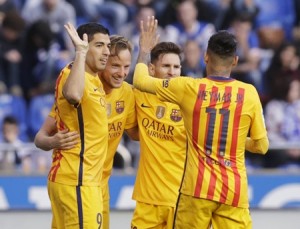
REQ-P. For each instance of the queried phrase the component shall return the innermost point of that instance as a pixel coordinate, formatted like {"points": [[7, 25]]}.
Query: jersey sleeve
{"points": [[258, 127], [168, 90], [52, 112], [171, 90], [142, 80]]}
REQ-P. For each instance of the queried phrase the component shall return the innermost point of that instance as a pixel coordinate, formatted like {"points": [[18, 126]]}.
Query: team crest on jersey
{"points": [[108, 109], [160, 112], [120, 106], [166, 83], [176, 115]]}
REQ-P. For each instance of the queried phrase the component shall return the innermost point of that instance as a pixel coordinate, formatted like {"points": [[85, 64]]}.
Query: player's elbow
{"points": [[72, 97], [39, 142], [263, 146]]}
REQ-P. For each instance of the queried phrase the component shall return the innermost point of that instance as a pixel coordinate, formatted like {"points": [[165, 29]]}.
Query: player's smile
{"points": [[103, 60]]}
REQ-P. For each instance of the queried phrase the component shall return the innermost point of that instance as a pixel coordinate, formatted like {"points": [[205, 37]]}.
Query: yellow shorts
{"points": [[75, 206], [152, 216], [105, 197], [105, 214], [200, 213]]}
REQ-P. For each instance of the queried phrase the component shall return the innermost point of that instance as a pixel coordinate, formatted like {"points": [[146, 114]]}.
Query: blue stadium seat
{"points": [[15, 106], [38, 110]]}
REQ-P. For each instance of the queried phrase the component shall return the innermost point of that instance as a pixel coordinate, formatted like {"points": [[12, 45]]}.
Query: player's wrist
{"points": [[80, 53]]}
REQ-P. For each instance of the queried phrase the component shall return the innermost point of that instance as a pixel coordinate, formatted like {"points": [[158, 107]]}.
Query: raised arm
{"points": [[74, 86], [148, 39]]}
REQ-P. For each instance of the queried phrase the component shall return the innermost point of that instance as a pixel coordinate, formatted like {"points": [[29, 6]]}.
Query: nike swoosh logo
{"points": [[145, 106]]}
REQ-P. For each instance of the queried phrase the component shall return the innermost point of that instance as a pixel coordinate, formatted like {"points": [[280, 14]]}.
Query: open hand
{"points": [[148, 35], [64, 139], [80, 45]]}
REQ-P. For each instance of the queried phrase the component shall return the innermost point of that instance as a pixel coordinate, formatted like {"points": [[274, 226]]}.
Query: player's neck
{"points": [[107, 89], [219, 71]]}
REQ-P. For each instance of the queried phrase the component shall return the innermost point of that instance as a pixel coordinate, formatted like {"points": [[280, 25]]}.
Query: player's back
{"points": [[220, 121], [218, 114]]}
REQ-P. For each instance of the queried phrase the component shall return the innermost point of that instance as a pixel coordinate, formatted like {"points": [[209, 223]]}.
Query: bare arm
{"points": [[148, 39], [49, 138], [74, 85], [257, 146], [133, 133]]}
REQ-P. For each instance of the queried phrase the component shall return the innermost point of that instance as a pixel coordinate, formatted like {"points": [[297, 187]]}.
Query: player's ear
{"points": [[235, 61], [151, 69], [205, 58]]}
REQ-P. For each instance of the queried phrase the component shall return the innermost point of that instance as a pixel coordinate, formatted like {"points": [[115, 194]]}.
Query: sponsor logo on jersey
{"points": [[160, 112], [176, 115], [145, 106], [120, 106]]}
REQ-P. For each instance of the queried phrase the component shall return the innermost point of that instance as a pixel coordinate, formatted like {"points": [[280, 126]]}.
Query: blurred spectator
{"points": [[131, 31], [208, 11], [275, 22], [158, 6], [192, 64], [284, 66], [296, 28], [15, 106], [230, 9], [11, 41], [188, 27], [5, 7], [42, 62], [13, 155], [282, 116], [110, 13], [57, 13], [250, 54]]}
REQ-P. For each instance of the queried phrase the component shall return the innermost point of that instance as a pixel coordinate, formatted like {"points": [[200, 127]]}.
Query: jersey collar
{"points": [[220, 78]]}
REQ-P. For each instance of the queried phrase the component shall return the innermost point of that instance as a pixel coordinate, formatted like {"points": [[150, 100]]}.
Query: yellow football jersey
{"points": [[83, 164], [162, 150], [218, 115], [121, 116]]}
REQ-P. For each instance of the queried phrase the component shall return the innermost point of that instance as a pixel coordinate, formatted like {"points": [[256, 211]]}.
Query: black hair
{"points": [[13, 20], [9, 119], [39, 35], [164, 48], [223, 44], [91, 29]]}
